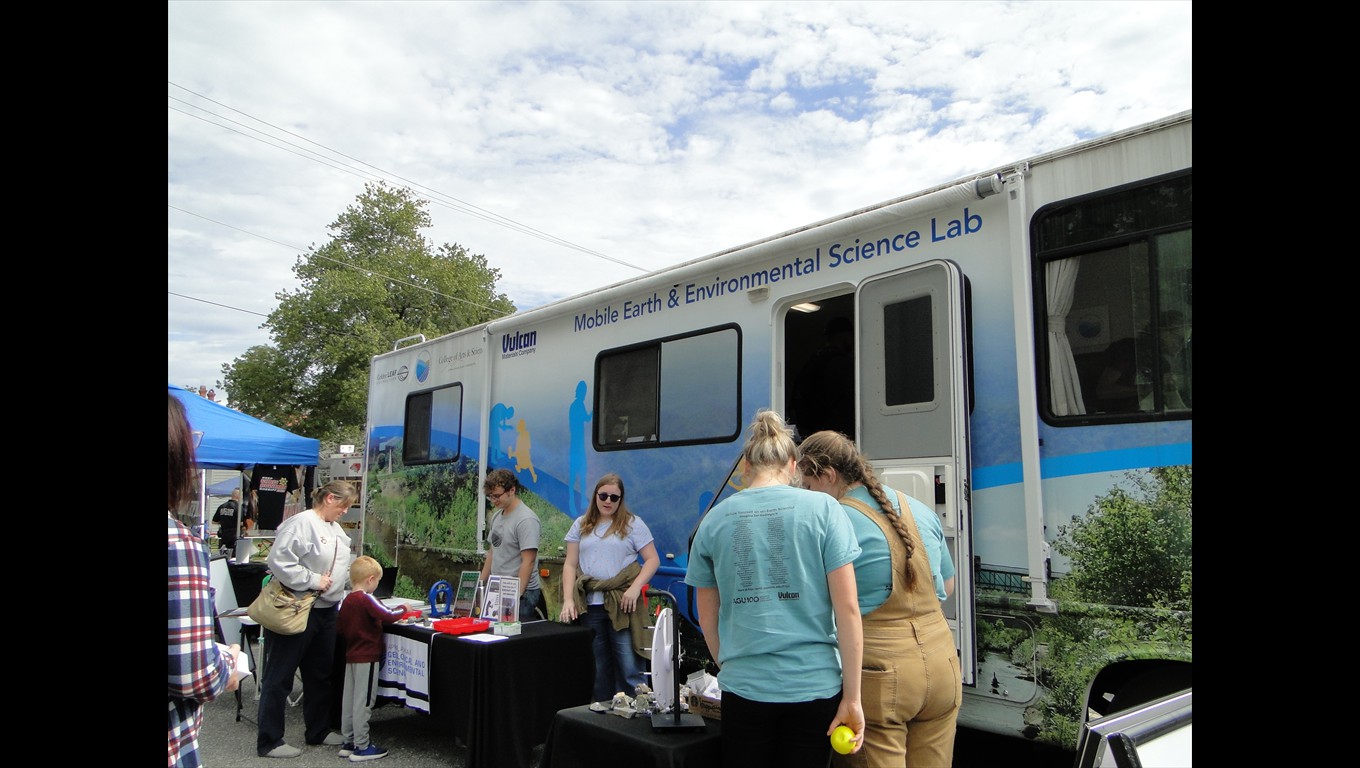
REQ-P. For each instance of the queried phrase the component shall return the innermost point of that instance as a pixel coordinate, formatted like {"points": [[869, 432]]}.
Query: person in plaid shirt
{"points": [[199, 670]]}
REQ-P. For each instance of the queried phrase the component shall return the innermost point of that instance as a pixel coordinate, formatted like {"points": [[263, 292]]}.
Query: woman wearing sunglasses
{"points": [[602, 582]]}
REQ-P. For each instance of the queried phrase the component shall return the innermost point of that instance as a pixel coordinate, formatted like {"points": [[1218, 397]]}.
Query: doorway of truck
{"points": [[911, 400]]}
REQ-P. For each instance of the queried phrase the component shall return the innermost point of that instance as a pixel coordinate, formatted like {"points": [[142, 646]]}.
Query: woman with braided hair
{"points": [[910, 680]]}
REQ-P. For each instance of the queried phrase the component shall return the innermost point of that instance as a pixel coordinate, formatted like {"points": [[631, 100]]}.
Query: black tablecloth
{"points": [[580, 738], [245, 581], [500, 698]]}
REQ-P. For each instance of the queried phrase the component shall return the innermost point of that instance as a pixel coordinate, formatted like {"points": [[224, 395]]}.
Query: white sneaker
{"points": [[283, 750]]}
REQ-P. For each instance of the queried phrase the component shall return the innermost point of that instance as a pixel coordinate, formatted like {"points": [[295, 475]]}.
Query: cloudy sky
{"points": [[575, 144]]}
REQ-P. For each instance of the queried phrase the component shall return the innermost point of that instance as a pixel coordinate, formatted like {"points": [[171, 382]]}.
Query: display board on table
{"points": [[465, 597], [501, 602], [501, 606]]}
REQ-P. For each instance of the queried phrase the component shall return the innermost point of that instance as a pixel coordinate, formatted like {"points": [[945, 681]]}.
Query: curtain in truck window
{"points": [[1115, 307]]}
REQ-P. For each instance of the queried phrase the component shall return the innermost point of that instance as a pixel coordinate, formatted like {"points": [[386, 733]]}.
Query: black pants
{"points": [[313, 652], [776, 734]]}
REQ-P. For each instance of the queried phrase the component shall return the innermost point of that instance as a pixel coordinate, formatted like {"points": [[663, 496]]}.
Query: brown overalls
{"points": [[910, 682]]}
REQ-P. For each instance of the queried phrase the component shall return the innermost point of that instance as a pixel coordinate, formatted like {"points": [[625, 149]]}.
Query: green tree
{"points": [[1133, 548], [257, 382], [1127, 595], [378, 280]]}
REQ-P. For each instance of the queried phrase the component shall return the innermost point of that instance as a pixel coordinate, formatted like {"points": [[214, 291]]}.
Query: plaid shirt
{"points": [[198, 671]]}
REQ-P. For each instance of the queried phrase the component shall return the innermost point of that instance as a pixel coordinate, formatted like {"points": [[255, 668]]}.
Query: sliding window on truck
{"points": [[1114, 304], [433, 426], [679, 390]]}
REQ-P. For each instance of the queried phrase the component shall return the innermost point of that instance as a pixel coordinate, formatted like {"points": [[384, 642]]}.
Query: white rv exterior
{"points": [[1022, 362]]}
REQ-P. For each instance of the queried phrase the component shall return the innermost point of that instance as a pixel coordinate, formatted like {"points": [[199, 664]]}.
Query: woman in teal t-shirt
{"points": [[773, 570]]}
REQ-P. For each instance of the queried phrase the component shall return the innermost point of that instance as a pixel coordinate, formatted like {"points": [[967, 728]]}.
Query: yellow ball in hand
{"points": [[843, 739]]}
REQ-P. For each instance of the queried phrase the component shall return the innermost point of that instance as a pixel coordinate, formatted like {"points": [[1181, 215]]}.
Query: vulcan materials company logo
{"points": [[423, 365], [517, 343]]}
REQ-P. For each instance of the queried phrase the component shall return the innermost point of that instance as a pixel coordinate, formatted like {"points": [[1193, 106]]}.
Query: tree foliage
{"points": [[1134, 548], [377, 280], [1127, 596]]}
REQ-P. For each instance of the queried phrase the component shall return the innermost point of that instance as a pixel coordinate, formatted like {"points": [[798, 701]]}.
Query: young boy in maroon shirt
{"points": [[360, 623]]}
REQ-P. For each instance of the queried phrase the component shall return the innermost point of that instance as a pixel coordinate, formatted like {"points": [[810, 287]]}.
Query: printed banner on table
{"points": [[405, 672]]}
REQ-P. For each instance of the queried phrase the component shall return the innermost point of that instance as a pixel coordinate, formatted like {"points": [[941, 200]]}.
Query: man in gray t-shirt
{"points": [[513, 536]]}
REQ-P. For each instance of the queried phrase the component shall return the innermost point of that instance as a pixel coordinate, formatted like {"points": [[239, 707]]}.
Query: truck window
{"points": [[1114, 304], [434, 421], [909, 364], [682, 389]]}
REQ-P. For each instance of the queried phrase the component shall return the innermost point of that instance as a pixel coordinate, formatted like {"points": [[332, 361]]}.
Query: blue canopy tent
{"points": [[233, 440], [225, 487]]}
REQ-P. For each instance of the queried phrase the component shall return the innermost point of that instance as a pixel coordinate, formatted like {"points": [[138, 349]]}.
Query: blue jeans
{"points": [[528, 601], [617, 665]]}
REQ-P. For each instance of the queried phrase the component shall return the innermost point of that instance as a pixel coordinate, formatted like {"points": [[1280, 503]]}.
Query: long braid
{"points": [[832, 450], [875, 487]]}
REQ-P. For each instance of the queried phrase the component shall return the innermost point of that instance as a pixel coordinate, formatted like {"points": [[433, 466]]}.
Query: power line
{"points": [[215, 304], [272, 141], [366, 270], [311, 326], [458, 205]]}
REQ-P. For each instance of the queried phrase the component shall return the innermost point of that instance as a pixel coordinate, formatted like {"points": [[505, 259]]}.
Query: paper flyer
{"points": [[483, 638], [242, 660]]}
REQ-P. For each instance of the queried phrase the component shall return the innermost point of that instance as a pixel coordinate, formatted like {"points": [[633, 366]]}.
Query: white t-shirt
{"points": [[602, 554]]}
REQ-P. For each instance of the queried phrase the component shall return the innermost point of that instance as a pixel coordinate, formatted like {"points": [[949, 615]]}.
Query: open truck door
{"points": [[913, 401]]}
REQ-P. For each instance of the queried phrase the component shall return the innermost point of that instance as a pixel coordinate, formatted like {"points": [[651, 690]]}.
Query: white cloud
{"points": [[652, 132]]}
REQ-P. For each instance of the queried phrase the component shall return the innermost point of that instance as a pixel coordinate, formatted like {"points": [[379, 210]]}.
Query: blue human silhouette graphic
{"points": [[501, 414], [577, 481]]}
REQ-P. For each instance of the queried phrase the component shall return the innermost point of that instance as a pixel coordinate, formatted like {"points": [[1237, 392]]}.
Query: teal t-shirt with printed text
{"points": [[768, 552]]}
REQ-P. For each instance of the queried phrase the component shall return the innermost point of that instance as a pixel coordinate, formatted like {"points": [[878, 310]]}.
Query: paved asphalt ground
{"points": [[414, 741], [412, 738]]}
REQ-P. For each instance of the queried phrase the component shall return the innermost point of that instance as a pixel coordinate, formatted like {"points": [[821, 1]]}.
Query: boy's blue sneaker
{"points": [[346, 749], [370, 752]]}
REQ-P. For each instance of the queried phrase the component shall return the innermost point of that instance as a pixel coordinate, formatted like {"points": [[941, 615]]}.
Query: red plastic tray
{"points": [[461, 626]]}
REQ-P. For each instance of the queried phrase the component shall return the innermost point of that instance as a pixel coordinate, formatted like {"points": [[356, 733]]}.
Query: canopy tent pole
{"points": [[203, 505]]}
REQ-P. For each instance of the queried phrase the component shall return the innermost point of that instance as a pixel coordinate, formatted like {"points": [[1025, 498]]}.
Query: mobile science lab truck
{"points": [[1021, 361]]}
